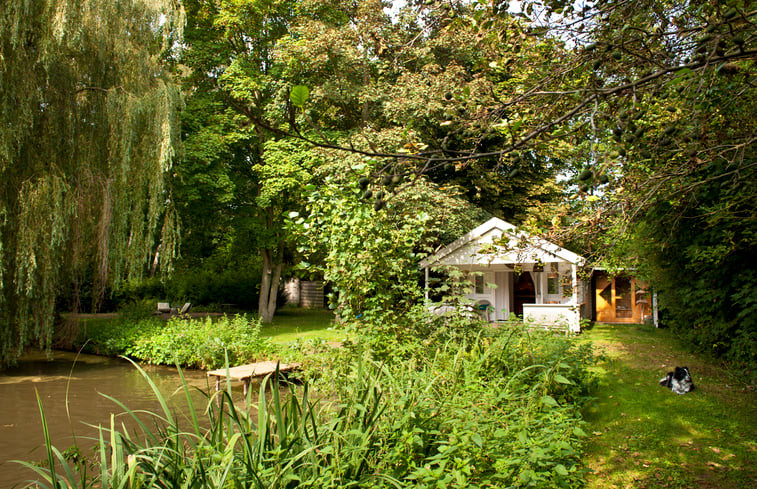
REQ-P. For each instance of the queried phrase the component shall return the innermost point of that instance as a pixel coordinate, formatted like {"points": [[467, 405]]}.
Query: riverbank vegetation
{"points": [[499, 409], [202, 341], [504, 406]]}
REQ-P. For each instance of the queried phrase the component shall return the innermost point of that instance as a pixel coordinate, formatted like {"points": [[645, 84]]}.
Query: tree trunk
{"points": [[269, 284]]}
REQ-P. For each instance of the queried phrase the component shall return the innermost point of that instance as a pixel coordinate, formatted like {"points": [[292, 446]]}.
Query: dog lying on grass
{"points": [[679, 381]]}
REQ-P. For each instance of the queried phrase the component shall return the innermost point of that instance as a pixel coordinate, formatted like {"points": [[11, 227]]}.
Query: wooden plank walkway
{"points": [[246, 373]]}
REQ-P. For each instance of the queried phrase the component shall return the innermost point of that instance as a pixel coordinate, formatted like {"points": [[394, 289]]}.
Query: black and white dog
{"points": [[678, 381]]}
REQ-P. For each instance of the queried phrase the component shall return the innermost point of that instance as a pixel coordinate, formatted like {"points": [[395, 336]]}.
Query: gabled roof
{"points": [[499, 242]]}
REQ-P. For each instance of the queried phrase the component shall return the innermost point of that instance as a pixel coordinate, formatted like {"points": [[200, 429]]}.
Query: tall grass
{"points": [[499, 410], [275, 442]]}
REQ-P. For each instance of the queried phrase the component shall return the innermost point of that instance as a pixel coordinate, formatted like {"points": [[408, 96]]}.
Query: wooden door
{"points": [[604, 298], [524, 292], [619, 299]]}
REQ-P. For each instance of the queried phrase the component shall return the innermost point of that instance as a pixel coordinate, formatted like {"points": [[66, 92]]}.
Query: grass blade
{"points": [[48, 444]]}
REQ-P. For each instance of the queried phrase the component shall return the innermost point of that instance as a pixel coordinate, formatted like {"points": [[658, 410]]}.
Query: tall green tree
{"points": [[680, 148], [236, 81], [417, 91], [88, 131]]}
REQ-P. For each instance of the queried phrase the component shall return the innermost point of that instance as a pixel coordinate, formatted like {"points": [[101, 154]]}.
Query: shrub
{"points": [[107, 336], [201, 343], [493, 408]]}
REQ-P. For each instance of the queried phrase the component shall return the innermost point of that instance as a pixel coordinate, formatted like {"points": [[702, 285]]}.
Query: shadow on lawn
{"points": [[644, 435]]}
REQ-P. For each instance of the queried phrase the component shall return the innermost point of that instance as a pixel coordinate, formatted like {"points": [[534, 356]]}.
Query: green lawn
{"points": [[290, 324], [643, 435]]}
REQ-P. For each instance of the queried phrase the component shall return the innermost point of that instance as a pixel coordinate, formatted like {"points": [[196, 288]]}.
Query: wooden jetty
{"points": [[246, 373]]}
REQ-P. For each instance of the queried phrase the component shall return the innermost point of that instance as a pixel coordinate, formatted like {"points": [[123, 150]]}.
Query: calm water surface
{"points": [[71, 395]]}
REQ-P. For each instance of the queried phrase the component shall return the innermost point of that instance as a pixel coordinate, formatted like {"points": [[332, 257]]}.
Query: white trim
{"points": [[574, 283], [426, 287], [490, 225], [494, 225]]}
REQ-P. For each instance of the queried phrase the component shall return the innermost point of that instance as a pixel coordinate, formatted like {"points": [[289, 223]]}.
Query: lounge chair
{"points": [[165, 308]]}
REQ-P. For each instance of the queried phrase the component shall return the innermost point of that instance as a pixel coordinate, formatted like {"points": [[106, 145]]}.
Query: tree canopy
{"points": [[624, 128], [644, 106]]}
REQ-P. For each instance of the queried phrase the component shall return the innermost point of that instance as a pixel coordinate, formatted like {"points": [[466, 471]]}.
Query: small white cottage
{"points": [[514, 272]]}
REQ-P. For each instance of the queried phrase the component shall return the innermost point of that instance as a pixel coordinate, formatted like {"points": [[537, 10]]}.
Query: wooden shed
{"points": [[305, 293], [622, 298]]}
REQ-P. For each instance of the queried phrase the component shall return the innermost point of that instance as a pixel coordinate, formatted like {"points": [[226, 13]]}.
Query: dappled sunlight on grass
{"points": [[644, 435], [291, 324]]}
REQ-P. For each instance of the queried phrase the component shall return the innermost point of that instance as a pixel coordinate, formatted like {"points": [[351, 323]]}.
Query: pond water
{"points": [[72, 391]]}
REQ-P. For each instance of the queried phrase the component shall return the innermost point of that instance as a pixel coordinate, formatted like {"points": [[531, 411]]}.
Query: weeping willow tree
{"points": [[88, 133]]}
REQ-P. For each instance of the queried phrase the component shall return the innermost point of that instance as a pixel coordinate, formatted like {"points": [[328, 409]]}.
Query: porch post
{"points": [[576, 327], [574, 276], [426, 283], [655, 314]]}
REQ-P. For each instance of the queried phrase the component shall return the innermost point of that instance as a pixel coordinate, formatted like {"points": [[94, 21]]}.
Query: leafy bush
{"points": [[495, 408], [214, 280], [112, 337], [368, 257], [202, 343], [151, 288], [235, 285]]}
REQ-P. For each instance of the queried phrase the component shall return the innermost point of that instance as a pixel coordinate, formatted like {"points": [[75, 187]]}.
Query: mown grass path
{"points": [[293, 323], [643, 435]]}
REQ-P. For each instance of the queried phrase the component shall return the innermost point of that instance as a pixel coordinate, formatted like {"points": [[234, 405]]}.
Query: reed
{"points": [[499, 410]]}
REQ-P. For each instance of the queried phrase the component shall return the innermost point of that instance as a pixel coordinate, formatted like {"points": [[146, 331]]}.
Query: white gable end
{"points": [[478, 248]]}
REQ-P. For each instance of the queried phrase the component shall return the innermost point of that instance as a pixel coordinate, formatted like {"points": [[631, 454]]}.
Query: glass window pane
{"points": [[623, 297], [553, 285]]}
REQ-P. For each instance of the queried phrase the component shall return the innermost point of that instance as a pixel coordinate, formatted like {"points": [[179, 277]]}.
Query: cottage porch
{"points": [[515, 273]]}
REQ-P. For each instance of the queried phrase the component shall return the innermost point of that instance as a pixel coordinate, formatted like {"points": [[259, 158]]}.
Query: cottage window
{"points": [[553, 279], [553, 284], [478, 283]]}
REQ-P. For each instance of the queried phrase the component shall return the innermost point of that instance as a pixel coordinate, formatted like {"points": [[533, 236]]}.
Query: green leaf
{"points": [[579, 432], [549, 401], [562, 380], [679, 76], [560, 469], [477, 440], [683, 72], [299, 95]]}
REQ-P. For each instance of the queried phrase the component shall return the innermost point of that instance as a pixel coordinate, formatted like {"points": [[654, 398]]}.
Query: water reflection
{"points": [[71, 395]]}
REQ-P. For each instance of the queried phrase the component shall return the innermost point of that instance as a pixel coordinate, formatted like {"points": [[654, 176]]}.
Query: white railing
{"points": [[554, 315]]}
